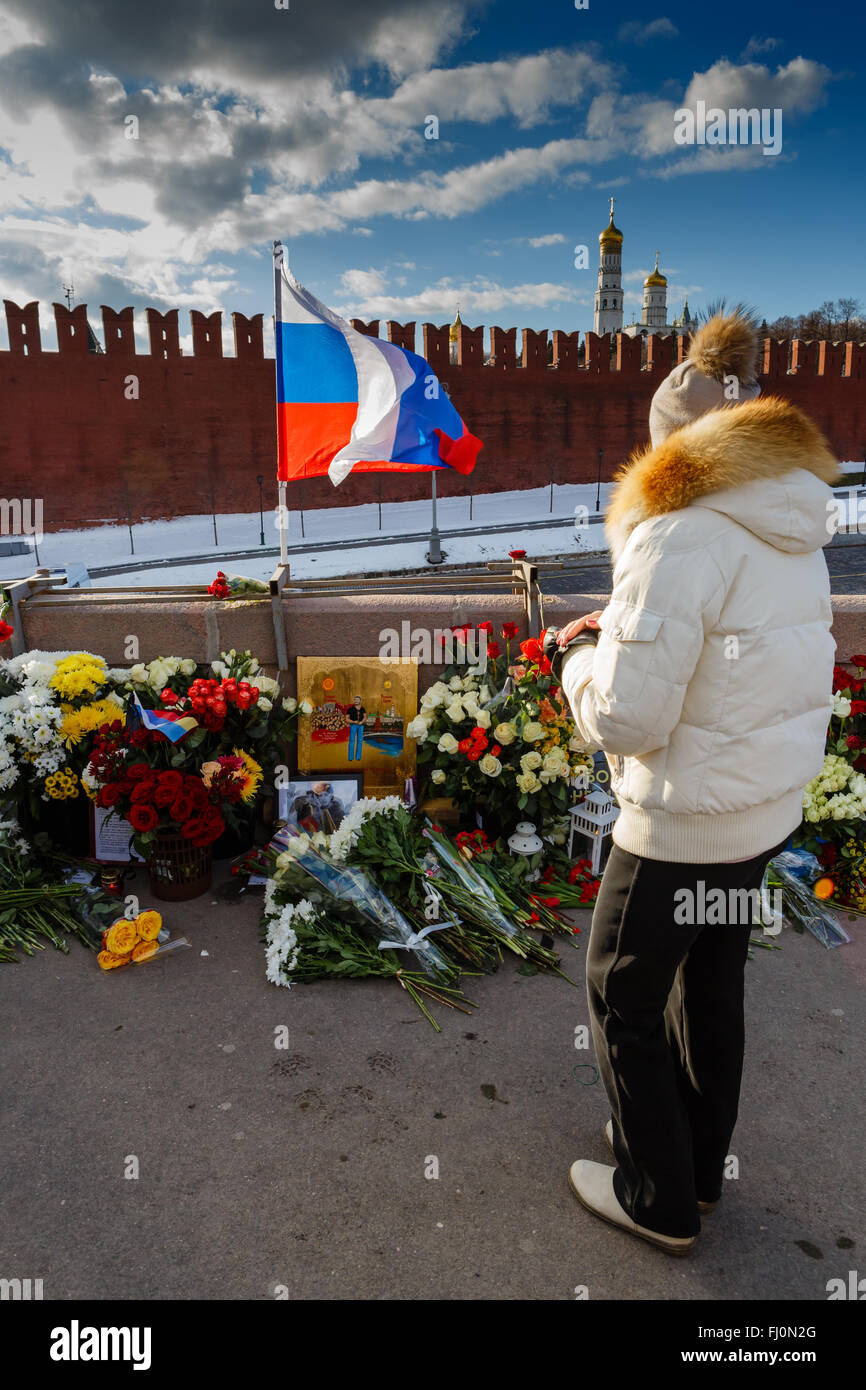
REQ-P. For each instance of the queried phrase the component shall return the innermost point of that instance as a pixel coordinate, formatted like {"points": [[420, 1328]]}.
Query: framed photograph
{"points": [[319, 801], [361, 707]]}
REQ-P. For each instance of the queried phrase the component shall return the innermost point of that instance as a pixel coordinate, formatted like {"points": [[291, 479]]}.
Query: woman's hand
{"points": [[565, 634]]}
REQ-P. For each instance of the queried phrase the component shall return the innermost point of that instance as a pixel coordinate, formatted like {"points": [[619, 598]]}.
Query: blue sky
{"points": [[309, 124]]}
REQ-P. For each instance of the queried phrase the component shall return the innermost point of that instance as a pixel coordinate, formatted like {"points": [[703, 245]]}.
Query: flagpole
{"points": [[281, 485]]}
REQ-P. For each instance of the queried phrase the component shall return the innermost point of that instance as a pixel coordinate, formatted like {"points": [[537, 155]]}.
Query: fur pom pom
{"points": [[726, 345]]}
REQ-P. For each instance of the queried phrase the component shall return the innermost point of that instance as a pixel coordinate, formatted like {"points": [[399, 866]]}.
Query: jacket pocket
{"points": [[626, 622], [623, 654]]}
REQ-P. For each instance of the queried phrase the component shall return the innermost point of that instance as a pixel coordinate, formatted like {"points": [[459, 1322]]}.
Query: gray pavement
{"points": [[305, 1167]]}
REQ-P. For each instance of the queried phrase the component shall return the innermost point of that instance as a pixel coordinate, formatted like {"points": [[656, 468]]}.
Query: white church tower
{"points": [[655, 301], [608, 296]]}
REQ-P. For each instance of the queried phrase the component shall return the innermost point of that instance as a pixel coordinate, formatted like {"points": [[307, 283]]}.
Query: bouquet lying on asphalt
{"points": [[389, 894], [39, 905]]}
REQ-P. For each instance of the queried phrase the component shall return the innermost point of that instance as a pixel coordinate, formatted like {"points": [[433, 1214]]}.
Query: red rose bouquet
{"points": [[133, 773]]}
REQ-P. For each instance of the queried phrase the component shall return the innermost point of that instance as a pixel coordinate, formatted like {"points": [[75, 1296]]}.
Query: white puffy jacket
{"points": [[709, 689]]}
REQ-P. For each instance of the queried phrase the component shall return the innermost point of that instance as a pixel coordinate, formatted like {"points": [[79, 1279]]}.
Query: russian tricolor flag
{"points": [[347, 402]]}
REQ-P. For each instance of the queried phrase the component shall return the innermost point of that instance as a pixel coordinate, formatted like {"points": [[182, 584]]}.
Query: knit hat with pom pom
{"points": [[725, 347]]}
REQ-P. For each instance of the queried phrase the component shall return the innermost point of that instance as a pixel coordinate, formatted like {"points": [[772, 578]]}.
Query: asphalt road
{"points": [[304, 1166], [846, 563]]}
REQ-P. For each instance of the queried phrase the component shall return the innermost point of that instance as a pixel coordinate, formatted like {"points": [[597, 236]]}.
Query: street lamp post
{"points": [[260, 479], [435, 555]]}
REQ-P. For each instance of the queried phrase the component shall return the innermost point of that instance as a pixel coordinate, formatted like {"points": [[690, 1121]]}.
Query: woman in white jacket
{"points": [[707, 682]]}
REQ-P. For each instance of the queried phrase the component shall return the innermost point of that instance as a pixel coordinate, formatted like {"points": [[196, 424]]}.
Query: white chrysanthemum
{"points": [[437, 776], [345, 837], [282, 948]]}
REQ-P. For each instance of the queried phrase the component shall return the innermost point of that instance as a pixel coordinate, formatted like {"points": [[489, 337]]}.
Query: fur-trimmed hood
{"points": [[763, 463]]}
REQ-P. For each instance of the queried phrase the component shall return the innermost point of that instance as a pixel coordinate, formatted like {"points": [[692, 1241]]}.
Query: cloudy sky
{"points": [[310, 123]]}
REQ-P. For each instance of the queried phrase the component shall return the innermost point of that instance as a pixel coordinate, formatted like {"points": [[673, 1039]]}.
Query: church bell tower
{"points": [[608, 296]]}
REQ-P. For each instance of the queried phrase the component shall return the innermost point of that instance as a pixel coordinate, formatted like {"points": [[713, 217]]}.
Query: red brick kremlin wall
{"points": [[73, 434]]}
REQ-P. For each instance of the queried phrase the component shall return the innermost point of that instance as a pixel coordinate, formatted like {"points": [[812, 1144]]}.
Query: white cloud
{"points": [[243, 136], [633, 31], [755, 47], [479, 297], [365, 284]]}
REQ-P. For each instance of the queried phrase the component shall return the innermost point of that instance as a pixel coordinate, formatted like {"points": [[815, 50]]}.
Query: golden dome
{"points": [[611, 236], [655, 277], [454, 330]]}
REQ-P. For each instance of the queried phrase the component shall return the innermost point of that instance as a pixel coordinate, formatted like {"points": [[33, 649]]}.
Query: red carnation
{"points": [[143, 818], [517, 554], [5, 630], [509, 630], [464, 745], [485, 627], [493, 650]]}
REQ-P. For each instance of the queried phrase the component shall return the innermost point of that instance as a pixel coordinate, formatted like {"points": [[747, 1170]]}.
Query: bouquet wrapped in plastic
{"points": [[794, 872], [322, 921], [351, 885]]}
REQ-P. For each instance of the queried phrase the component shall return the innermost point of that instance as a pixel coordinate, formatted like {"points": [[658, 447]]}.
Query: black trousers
{"points": [[666, 1008]]}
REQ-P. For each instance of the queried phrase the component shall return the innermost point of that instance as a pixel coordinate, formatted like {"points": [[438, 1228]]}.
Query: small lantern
{"points": [[593, 817], [524, 843]]}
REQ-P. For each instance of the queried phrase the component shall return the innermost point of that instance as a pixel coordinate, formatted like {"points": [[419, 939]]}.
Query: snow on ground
{"points": [[103, 546], [321, 550]]}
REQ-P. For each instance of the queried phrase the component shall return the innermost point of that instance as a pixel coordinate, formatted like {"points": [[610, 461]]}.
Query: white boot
{"points": [[703, 1207], [592, 1184]]}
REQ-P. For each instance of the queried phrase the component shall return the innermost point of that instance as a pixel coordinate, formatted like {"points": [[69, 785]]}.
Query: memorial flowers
{"points": [[834, 802], [140, 775], [130, 941], [388, 894], [498, 736], [50, 705]]}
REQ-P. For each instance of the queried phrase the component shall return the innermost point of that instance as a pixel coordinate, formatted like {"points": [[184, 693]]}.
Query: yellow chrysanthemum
{"points": [[79, 674], [79, 722]]}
